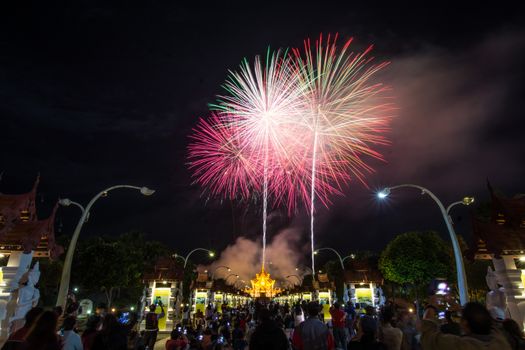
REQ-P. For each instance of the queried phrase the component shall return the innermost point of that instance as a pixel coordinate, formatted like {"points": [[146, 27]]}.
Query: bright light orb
{"points": [[384, 193]]}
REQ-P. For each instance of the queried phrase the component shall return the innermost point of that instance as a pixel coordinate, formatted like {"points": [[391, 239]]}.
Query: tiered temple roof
{"points": [[166, 269], [363, 271], [262, 286], [503, 232], [20, 229]]}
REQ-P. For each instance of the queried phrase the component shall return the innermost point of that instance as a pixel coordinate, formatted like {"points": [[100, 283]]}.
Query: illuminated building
{"points": [[262, 286], [162, 285], [362, 282]]}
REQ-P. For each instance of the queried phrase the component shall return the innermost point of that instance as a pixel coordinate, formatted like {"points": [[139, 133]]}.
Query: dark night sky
{"points": [[93, 95]]}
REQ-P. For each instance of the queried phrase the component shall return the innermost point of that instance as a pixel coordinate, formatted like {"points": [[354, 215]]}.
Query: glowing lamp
{"points": [[468, 200], [147, 191], [384, 193]]}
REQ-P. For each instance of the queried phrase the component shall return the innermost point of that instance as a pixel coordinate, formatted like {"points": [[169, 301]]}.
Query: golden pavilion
{"points": [[262, 286]]}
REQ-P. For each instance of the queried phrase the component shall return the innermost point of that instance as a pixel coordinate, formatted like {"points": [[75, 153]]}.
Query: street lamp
{"points": [[211, 254], [231, 274], [185, 259], [219, 267], [460, 267], [341, 260], [298, 278], [66, 270]]}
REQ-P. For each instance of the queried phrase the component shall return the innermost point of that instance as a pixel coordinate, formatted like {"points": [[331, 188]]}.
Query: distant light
{"points": [[75, 289], [229, 270], [2, 255], [164, 282], [205, 271], [132, 308], [522, 258], [113, 310], [442, 286], [89, 312], [410, 310], [212, 254]]}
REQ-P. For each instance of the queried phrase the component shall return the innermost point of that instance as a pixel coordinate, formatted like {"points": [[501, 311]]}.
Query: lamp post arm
{"points": [[338, 255], [452, 205], [193, 251], [347, 257]]}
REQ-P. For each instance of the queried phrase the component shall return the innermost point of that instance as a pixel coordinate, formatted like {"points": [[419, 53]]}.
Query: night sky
{"points": [[93, 95]]}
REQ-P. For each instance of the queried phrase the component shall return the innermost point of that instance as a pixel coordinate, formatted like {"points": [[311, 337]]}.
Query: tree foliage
{"points": [[416, 258], [103, 263], [336, 274]]}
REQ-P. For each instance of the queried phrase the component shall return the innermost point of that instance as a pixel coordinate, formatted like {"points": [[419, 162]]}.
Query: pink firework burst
{"points": [[220, 162], [345, 111]]}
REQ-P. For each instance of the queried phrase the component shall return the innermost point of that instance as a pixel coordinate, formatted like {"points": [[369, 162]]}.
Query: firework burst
{"points": [[294, 127], [220, 162]]}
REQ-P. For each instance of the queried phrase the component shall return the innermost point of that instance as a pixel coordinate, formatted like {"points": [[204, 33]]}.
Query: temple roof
{"points": [[503, 233], [363, 271], [17, 207], [166, 269], [20, 229]]}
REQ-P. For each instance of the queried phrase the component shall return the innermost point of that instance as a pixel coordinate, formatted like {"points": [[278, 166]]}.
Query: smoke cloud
{"points": [[283, 255]]}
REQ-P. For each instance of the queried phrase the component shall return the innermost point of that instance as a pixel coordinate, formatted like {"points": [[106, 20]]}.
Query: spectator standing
{"points": [[339, 325], [312, 334], [70, 339]]}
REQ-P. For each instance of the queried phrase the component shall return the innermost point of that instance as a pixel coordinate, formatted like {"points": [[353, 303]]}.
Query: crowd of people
{"points": [[263, 326]]}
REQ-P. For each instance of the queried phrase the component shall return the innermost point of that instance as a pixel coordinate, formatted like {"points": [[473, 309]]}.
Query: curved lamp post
{"points": [[231, 274], [66, 271], [460, 267], [219, 267], [186, 259], [296, 276], [341, 260]]}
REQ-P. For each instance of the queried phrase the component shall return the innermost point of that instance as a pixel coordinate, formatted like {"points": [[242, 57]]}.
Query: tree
{"points": [[115, 266], [336, 274], [415, 258]]}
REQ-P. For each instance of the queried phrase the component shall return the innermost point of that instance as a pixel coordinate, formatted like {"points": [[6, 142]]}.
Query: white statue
{"points": [[495, 300], [380, 296], [28, 295]]}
